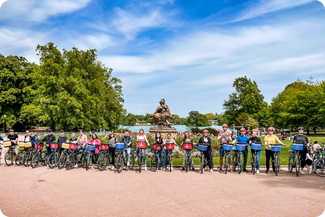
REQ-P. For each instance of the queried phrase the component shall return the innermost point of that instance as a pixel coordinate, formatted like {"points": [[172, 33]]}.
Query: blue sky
{"points": [[186, 51]]}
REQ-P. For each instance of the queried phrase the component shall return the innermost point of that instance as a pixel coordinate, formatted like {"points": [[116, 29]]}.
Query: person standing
{"points": [[48, 140], [300, 138], [224, 137], [269, 140], [62, 139], [160, 154], [243, 139], [112, 143], [126, 139], [169, 140], [255, 140], [205, 139], [13, 137], [141, 137], [187, 140]]}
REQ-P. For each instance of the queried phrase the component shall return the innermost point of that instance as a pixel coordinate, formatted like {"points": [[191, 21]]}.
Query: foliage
{"points": [[197, 119]]}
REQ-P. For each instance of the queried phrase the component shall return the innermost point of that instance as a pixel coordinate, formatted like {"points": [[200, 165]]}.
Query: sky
{"points": [[186, 51]]}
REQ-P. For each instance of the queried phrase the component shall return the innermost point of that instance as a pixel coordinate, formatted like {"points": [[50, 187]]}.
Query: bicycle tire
{"points": [[53, 160], [234, 160], [227, 162], [186, 161], [102, 162], [297, 160], [170, 161], [202, 163], [154, 162], [140, 161], [276, 164], [89, 155], [62, 160], [319, 167], [254, 164], [120, 163], [132, 161], [19, 158], [35, 159], [70, 161], [28, 158], [240, 162], [291, 162], [10, 158]]}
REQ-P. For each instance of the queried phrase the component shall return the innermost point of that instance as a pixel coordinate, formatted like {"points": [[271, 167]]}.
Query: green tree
{"points": [[197, 119], [246, 120], [247, 99]]}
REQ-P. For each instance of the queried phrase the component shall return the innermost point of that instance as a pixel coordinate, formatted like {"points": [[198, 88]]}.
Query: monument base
{"points": [[162, 130]]}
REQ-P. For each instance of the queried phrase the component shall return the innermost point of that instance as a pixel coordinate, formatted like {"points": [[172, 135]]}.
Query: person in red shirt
{"points": [[224, 137]]}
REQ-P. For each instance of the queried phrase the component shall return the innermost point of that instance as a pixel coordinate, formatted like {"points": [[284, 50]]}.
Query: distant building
{"points": [[142, 124], [213, 122]]}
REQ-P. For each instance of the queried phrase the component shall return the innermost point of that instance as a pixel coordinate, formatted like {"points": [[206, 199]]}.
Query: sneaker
{"points": [[172, 168], [310, 170], [112, 168], [302, 172], [211, 170], [257, 171], [183, 168], [164, 168], [193, 169], [145, 168], [266, 171], [76, 166], [92, 167], [128, 164]]}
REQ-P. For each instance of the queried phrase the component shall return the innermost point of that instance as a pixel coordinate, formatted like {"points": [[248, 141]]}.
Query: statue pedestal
{"points": [[163, 130]]}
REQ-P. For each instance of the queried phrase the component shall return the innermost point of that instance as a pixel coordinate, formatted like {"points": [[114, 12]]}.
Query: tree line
{"points": [[66, 90]]}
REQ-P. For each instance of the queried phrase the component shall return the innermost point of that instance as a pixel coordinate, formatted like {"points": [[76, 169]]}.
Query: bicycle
{"points": [[54, 157], [39, 155], [256, 148], [28, 155], [276, 157], [319, 165], [69, 149], [75, 159], [10, 156], [154, 162], [295, 158], [103, 157], [188, 157], [20, 157], [203, 147], [227, 149], [141, 146], [120, 158], [169, 155], [238, 157], [90, 155]]}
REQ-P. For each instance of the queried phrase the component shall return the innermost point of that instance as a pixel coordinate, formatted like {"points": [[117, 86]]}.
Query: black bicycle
{"points": [[319, 165], [169, 155], [22, 151], [203, 147], [68, 149], [227, 149], [141, 147], [188, 156], [295, 158], [10, 156], [39, 155], [103, 157], [154, 162], [256, 148], [120, 161], [238, 157], [276, 157], [54, 157], [90, 155]]}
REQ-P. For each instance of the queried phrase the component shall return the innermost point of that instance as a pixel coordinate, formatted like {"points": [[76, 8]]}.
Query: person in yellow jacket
{"points": [[269, 140]]}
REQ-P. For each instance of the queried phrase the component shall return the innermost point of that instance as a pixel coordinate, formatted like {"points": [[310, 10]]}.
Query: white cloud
{"points": [[267, 6], [38, 10], [131, 24]]}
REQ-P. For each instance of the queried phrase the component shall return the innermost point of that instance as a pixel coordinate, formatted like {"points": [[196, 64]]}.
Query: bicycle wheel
{"points": [[276, 164], [71, 161], [254, 162], [53, 160], [88, 157], [80, 157], [319, 167], [35, 159], [119, 162], [28, 158], [186, 160], [44, 158], [103, 161], [132, 161], [10, 158], [291, 162], [226, 164], [154, 162], [19, 158], [240, 162], [170, 156], [140, 160], [297, 160], [62, 160], [202, 163]]}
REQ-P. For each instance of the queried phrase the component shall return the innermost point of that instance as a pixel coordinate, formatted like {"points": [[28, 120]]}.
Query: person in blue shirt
{"points": [[243, 139]]}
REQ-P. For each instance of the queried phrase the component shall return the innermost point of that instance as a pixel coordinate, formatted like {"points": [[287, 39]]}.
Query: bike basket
{"points": [[276, 148], [141, 145], [187, 146], [38, 146], [119, 145], [202, 148], [170, 146], [7, 144], [241, 147], [65, 145], [54, 145], [157, 147], [228, 147], [256, 147], [91, 148], [21, 144], [73, 146], [28, 144], [104, 147], [297, 147]]}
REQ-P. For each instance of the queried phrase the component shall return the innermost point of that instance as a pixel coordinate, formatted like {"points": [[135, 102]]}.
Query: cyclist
{"points": [[127, 140], [159, 141], [255, 140], [112, 143], [13, 137], [224, 137], [205, 139], [94, 140], [73, 139], [141, 137], [269, 140], [243, 139], [82, 139], [187, 140], [49, 139], [62, 139], [169, 139], [301, 139]]}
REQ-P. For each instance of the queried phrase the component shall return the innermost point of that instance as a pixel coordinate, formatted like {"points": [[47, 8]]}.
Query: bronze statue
{"points": [[161, 115]]}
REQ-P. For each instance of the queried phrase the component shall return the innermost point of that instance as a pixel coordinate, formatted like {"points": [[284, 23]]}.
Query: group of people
{"points": [[224, 137]]}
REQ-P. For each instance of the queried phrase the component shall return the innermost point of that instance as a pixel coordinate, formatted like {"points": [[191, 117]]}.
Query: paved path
{"points": [[46, 192]]}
